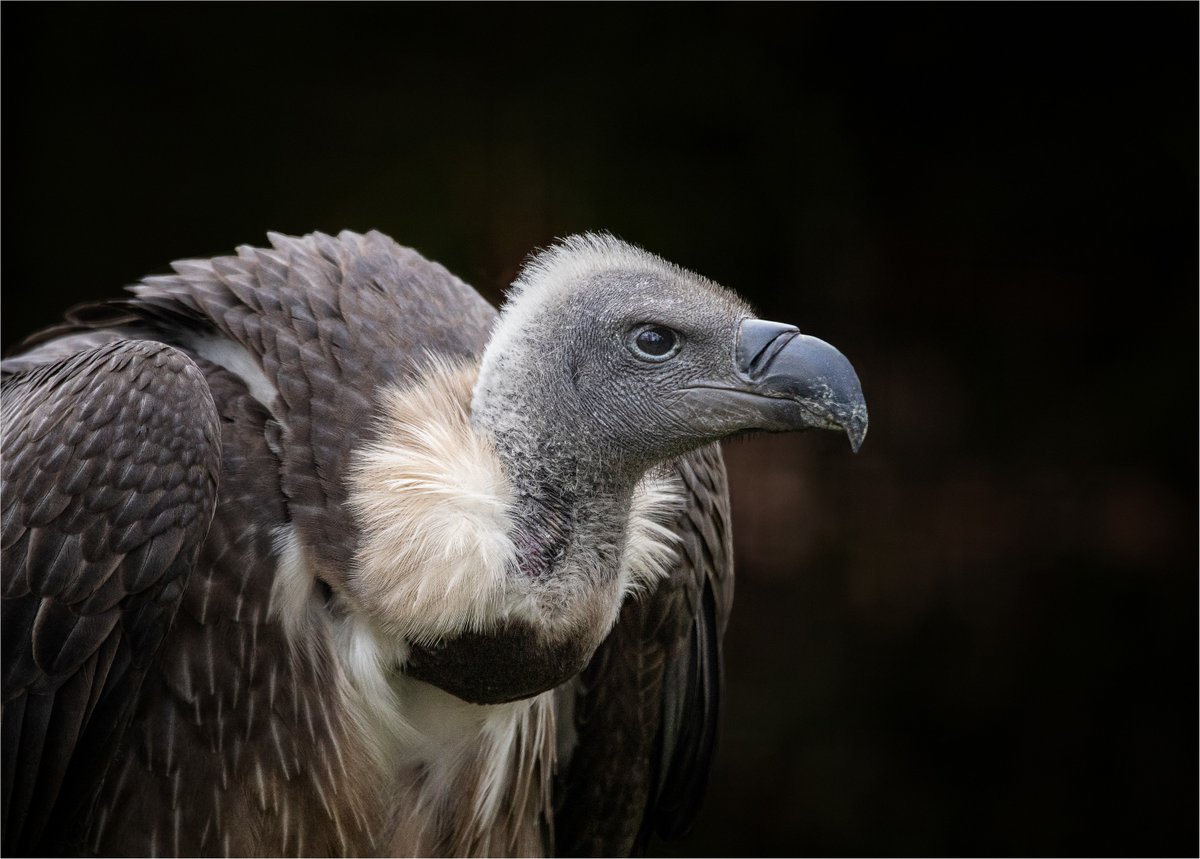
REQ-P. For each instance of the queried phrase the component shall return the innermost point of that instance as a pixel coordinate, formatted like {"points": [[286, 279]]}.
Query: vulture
{"points": [[310, 551]]}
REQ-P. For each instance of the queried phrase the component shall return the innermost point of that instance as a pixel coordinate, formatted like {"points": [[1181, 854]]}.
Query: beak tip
{"points": [[856, 430]]}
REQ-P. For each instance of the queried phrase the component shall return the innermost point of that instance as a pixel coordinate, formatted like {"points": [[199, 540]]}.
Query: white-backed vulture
{"points": [[307, 551]]}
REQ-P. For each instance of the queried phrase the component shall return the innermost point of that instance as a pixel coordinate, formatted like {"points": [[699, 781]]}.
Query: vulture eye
{"points": [[653, 342]]}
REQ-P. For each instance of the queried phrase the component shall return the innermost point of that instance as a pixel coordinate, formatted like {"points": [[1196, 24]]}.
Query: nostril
{"points": [[764, 358], [759, 341]]}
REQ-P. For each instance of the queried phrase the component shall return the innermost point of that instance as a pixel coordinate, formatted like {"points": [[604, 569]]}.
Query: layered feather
{"points": [[434, 508]]}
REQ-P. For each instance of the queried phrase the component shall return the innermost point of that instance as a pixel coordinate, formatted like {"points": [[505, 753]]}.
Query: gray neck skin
{"points": [[572, 500]]}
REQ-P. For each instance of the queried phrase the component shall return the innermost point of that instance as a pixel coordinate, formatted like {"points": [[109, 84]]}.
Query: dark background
{"points": [[979, 636]]}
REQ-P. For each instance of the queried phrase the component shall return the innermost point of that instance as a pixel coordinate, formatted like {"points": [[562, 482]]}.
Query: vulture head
{"points": [[619, 360], [606, 361]]}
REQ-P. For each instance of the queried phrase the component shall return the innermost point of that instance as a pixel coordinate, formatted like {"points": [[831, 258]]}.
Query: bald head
{"points": [[594, 349]]}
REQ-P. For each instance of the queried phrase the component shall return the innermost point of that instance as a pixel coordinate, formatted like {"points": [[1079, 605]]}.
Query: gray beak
{"points": [[813, 384]]}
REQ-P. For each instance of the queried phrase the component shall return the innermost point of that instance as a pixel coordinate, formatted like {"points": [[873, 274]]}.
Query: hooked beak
{"points": [[813, 384], [781, 380]]}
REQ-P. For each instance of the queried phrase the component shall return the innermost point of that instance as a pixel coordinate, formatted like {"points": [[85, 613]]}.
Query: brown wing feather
{"points": [[327, 319], [233, 747], [646, 715], [109, 483]]}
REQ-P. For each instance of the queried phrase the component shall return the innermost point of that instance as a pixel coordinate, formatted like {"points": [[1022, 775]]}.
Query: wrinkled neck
{"points": [[571, 498], [566, 519]]}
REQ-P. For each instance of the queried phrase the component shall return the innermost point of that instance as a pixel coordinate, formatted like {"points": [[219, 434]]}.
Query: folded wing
{"points": [[111, 457]]}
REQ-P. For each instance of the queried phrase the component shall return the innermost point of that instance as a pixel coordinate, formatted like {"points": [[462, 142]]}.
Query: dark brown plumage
{"points": [[190, 666], [108, 493]]}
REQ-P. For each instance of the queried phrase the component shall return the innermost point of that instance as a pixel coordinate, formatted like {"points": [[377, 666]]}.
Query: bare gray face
{"points": [[638, 344], [609, 360], [644, 366]]}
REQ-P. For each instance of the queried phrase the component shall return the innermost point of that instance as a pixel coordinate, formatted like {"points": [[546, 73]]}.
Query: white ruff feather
{"points": [[433, 505], [651, 546]]}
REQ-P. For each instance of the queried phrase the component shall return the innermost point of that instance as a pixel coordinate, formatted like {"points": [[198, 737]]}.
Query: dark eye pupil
{"points": [[656, 341]]}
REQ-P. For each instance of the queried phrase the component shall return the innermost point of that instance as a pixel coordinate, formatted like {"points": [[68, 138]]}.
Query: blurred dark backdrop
{"points": [[979, 636]]}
